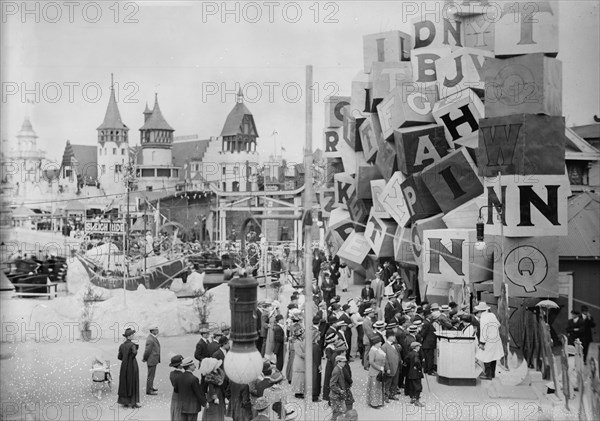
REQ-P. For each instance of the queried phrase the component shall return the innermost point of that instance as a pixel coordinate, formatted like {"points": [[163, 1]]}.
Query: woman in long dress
{"points": [[176, 404], [270, 333], [345, 275], [212, 385], [298, 365], [129, 375], [376, 366]]}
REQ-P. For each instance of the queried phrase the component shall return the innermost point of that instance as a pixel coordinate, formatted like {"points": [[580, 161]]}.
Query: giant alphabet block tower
{"points": [[462, 116]]}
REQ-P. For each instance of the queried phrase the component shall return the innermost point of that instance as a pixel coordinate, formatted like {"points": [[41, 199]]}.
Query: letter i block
{"points": [[479, 30], [529, 84], [386, 160], [530, 266], [333, 166], [333, 142], [334, 110], [392, 199], [360, 101], [534, 205], [370, 136], [453, 180], [377, 187], [443, 32], [416, 234], [462, 69], [387, 76], [423, 64], [365, 174], [380, 235], [392, 46], [418, 199], [450, 256], [521, 144], [420, 146], [459, 114], [355, 250], [344, 189]]}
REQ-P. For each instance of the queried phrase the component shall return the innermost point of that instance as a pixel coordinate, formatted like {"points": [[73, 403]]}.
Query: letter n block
{"points": [[380, 235], [529, 84], [355, 250], [459, 114], [428, 33], [419, 200], [453, 180], [521, 144], [416, 234], [392, 46], [334, 110], [420, 146]]}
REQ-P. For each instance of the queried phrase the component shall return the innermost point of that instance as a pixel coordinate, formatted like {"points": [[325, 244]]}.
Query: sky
{"points": [[195, 56]]}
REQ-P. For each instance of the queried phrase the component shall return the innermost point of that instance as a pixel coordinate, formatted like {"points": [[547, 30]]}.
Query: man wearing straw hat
{"points": [[190, 394], [152, 358], [490, 344]]}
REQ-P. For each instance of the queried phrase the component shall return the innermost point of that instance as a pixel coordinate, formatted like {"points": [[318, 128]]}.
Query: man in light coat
{"points": [[490, 344], [152, 358]]}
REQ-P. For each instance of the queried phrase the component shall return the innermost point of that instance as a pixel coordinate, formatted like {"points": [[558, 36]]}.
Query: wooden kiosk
{"points": [[456, 363]]}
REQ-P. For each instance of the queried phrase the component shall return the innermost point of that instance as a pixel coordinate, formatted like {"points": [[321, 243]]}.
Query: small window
{"points": [[148, 188], [235, 186], [114, 151], [224, 186], [122, 151], [224, 169], [117, 168]]}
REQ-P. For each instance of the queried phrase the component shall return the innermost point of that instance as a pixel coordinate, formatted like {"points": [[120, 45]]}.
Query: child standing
{"points": [[415, 373]]}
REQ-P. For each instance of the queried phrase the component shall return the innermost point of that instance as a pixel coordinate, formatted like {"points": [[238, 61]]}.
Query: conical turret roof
{"points": [[26, 129], [156, 121], [112, 118]]}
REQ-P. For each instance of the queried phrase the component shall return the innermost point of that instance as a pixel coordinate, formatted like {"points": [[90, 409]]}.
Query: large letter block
{"points": [[333, 242], [355, 249], [341, 223], [387, 76], [416, 234], [530, 266], [386, 161], [344, 188], [377, 187], [393, 201], [529, 84], [333, 142], [533, 205], [350, 130], [462, 69], [464, 215], [380, 235], [370, 136], [403, 247], [334, 110], [360, 102], [459, 114], [453, 180], [418, 147], [359, 212], [333, 166], [419, 200], [326, 200], [521, 144], [450, 256], [437, 32], [407, 105], [512, 28], [423, 64], [392, 46], [365, 174]]}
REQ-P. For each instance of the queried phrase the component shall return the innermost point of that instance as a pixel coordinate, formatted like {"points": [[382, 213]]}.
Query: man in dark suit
{"points": [[367, 292], [152, 357], [278, 341], [190, 395], [429, 346], [345, 316], [220, 353], [213, 345], [202, 346]]}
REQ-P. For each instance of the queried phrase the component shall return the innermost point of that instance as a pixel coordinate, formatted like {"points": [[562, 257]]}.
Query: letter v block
{"points": [[462, 69], [420, 146], [521, 144], [380, 235], [459, 114], [529, 84], [392, 199], [418, 198], [453, 180]]}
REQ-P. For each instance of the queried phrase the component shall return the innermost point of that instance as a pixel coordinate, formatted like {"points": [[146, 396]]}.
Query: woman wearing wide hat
{"points": [[129, 376], [176, 403], [490, 344]]}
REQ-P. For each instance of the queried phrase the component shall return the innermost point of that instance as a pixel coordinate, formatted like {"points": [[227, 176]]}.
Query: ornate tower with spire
{"points": [[156, 137], [113, 145], [239, 132]]}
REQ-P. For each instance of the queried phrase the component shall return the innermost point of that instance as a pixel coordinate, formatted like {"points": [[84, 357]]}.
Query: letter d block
{"points": [[459, 114], [521, 144], [529, 84], [341, 223], [380, 235], [392, 46], [453, 180], [355, 249], [419, 200], [418, 147], [334, 110]]}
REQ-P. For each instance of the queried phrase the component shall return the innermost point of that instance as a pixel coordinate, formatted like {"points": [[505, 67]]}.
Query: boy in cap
{"points": [[414, 374], [339, 388], [152, 357]]}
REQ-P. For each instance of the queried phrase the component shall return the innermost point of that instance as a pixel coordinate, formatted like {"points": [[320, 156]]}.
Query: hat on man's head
{"points": [[217, 334], [153, 327], [276, 376], [392, 325], [376, 339], [176, 360], [379, 324], [445, 307], [345, 307], [415, 344], [413, 328], [482, 306], [261, 404], [204, 330], [341, 357], [128, 332], [330, 337], [335, 306], [316, 320], [332, 319], [292, 305], [368, 282], [571, 350], [187, 362], [278, 317], [412, 297], [369, 311], [434, 306]]}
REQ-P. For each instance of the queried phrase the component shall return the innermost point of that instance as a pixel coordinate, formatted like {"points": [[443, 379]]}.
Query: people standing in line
{"points": [[129, 375], [378, 289], [190, 393], [377, 361], [176, 404], [588, 325], [202, 345], [152, 358], [415, 373], [338, 388], [490, 344], [279, 341], [357, 345]]}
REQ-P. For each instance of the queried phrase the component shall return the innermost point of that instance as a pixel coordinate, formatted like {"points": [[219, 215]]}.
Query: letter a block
{"points": [[420, 146], [392, 46], [534, 205], [355, 250], [393, 201], [419, 200], [459, 114], [380, 236], [462, 69], [530, 266], [450, 256], [453, 180], [521, 144], [529, 84], [334, 110]]}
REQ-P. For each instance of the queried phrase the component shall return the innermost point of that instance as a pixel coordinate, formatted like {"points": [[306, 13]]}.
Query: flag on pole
{"points": [[274, 133], [283, 149]]}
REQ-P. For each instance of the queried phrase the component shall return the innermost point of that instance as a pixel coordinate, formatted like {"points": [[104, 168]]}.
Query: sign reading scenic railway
{"points": [[104, 227]]}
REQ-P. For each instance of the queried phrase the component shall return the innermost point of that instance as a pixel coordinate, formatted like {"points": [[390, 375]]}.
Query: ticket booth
{"points": [[456, 363]]}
